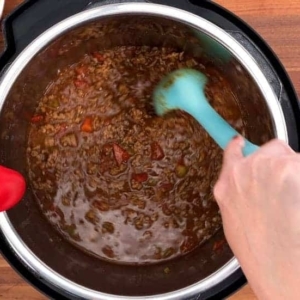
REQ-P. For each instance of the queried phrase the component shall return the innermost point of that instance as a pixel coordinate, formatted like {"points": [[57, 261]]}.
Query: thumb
{"points": [[233, 153]]}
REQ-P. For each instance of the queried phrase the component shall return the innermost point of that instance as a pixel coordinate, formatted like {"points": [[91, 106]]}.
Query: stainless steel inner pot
{"points": [[34, 241]]}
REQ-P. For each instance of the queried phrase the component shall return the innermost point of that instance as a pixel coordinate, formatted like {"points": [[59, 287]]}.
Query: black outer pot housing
{"points": [[35, 16]]}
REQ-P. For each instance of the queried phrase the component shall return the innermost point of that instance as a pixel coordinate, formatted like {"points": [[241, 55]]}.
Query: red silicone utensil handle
{"points": [[12, 188]]}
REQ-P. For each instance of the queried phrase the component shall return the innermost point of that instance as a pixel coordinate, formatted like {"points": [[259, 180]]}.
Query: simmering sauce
{"points": [[115, 179]]}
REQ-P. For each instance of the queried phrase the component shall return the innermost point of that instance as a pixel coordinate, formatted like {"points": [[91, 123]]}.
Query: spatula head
{"points": [[182, 89]]}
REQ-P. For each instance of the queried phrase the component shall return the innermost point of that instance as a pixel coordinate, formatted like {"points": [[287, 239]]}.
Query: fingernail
{"points": [[239, 139]]}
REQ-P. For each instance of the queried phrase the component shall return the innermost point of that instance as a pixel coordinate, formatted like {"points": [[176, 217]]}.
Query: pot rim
{"points": [[157, 10]]}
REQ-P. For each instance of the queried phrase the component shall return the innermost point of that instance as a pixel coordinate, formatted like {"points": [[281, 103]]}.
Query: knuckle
{"points": [[236, 176], [257, 160], [225, 183], [234, 173], [218, 190], [278, 145], [259, 165], [286, 167]]}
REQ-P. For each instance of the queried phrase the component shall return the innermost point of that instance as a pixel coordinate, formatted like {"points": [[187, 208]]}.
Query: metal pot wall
{"points": [[33, 240]]}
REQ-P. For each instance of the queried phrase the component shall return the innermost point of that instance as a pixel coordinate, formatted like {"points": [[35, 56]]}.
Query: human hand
{"points": [[259, 200]]}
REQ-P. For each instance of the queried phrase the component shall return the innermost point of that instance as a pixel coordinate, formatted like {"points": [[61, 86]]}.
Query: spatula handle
{"points": [[219, 129]]}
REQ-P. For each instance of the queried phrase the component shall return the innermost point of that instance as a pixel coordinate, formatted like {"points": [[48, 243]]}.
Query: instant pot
{"points": [[44, 35]]}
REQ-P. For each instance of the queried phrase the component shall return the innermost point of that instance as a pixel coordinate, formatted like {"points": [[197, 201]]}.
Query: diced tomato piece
{"points": [[87, 125], [188, 245], [63, 126], [157, 152], [107, 121], [120, 154], [140, 177], [218, 245], [167, 187], [108, 252], [98, 56], [101, 205], [82, 70], [80, 83], [37, 119]]}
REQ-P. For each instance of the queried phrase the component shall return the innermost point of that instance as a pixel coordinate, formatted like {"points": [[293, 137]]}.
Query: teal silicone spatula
{"points": [[184, 89]]}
